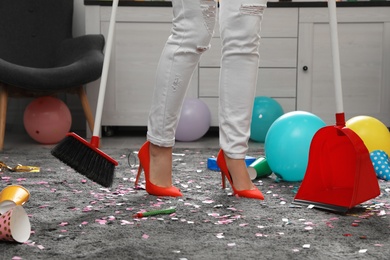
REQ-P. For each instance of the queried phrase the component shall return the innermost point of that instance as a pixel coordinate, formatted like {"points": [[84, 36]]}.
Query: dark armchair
{"points": [[39, 56]]}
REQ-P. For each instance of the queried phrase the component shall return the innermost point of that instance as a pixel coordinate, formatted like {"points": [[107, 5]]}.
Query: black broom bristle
{"points": [[86, 160]]}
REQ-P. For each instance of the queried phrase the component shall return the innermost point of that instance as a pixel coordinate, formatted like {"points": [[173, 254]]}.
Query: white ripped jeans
{"points": [[193, 27]]}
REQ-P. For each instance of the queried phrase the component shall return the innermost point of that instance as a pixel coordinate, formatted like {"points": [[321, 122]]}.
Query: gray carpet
{"points": [[75, 219]]}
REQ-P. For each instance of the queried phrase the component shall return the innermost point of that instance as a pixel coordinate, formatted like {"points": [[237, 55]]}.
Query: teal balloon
{"points": [[287, 144], [265, 111]]}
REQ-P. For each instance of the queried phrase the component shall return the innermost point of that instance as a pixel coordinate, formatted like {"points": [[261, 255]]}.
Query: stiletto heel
{"points": [[253, 193], [152, 189], [223, 181]]}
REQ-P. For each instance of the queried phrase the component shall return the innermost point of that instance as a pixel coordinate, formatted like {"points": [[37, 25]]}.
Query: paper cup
{"points": [[259, 169], [11, 196], [6, 205], [15, 225]]}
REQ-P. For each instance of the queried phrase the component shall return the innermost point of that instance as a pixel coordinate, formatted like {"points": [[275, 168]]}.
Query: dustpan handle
{"points": [[336, 56], [106, 64]]}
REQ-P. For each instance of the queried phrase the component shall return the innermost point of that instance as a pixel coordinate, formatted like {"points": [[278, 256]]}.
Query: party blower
{"points": [[339, 173], [85, 157]]}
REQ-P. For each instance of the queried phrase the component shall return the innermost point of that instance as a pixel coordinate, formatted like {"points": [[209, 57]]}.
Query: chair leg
{"points": [[86, 107], [3, 113]]}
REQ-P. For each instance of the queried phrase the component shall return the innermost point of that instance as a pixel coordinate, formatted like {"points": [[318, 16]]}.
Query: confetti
{"points": [[220, 235]]}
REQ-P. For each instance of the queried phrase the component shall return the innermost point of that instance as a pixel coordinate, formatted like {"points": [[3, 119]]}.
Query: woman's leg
{"points": [[193, 26], [240, 22]]}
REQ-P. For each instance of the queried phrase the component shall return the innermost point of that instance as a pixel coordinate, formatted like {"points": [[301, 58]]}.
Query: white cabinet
{"points": [[140, 35], [292, 38], [364, 43], [278, 62]]}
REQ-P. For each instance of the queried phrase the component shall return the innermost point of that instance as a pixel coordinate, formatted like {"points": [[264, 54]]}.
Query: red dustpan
{"points": [[339, 174]]}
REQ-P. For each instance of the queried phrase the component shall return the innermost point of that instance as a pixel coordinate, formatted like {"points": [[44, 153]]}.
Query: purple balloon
{"points": [[194, 121]]}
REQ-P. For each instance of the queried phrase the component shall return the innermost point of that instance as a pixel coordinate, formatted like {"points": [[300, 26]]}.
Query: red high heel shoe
{"points": [[144, 163], [253, 193]]}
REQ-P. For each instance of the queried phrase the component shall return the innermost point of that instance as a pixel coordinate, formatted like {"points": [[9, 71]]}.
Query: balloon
{"points": [[194, 121], [265, 111], [380, 161], [287, 144], [373, 132], [47, 120]]}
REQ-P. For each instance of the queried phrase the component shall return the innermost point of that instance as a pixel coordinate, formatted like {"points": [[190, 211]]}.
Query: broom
{"points": [[85, 157]]}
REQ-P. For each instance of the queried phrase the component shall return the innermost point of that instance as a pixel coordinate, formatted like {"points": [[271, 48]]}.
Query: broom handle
{"points": [[103, 80], [336, 56]]}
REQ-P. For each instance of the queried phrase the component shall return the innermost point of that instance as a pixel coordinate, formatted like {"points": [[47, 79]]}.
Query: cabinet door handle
{"points": [[305, 68]]}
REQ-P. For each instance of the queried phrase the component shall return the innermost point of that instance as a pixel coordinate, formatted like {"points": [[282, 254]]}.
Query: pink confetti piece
{"points": [[87, 209], [329, 225], [232, 209], [244, 224], [63, 224], [125, 222], [231, 244], [101, 221], [84, 223], [16, 258], [145, 236]]}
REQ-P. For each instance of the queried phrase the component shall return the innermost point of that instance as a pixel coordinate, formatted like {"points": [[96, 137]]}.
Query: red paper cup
{"points": [[11, 196], [15, 225]]}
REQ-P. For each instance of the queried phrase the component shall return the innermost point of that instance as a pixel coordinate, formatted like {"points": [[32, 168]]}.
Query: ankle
{"points": [[239, 173], [161, 165]]}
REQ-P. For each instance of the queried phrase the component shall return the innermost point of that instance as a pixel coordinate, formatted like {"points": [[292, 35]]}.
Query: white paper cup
{"points": [[15, 225]]}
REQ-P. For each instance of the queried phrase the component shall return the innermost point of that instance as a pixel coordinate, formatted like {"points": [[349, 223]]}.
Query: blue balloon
{"points": [[265, 111], [287, 144]]}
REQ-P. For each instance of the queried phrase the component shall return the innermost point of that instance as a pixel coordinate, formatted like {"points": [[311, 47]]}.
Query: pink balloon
{"points": [[194, 122], [47, 120]]}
